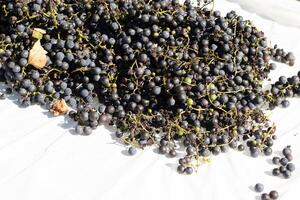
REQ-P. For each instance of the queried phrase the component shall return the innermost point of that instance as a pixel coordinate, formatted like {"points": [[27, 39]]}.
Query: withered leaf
{"points": [[37, 56], [59, 107]]}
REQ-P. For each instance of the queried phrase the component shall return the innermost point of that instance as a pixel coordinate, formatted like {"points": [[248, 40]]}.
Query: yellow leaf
{"points": [[38, 33], [37, 56], [42, 31]]}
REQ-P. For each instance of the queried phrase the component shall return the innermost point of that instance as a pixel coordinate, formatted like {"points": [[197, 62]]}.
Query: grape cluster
{"points": [[162, 72], [271, 196], [286, 167]]}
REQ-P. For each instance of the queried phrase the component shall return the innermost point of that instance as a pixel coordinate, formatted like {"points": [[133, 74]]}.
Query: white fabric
{"points": [[41, 160]]}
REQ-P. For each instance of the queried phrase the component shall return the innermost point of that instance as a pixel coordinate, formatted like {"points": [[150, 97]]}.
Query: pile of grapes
{"points": [[163, 73]]}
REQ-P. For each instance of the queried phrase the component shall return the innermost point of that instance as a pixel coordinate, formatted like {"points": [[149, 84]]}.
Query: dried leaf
{"points": [[59, 107], [37, 56]]}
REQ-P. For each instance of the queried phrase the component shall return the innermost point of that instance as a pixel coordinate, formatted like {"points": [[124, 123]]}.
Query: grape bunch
{"points": [[163, 73], [286, 167]]}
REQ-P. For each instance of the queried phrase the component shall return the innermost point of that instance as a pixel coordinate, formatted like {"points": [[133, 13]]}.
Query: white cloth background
{"points": [[41, 160]]}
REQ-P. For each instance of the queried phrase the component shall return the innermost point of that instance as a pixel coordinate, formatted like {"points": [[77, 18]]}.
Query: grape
{"points": [[22, 91], [87, 130], [84, 116], [285, 103], [180, 169], [93, 116], [290, 167], [276, 172], [265, 196], [70, 44], [79, 130], [24, 54], [286, 174], [274, 194], [276, 160], [49, 89], [31, 88], [259, 187], [22, 62], [188, 170], [254, 152], [172, 153], [60, 56], [21, 28], [132, 151], [63, 85], [241, 147], [119, 134], [72, 102], [283, 161], [286, 151], [267, 151]]}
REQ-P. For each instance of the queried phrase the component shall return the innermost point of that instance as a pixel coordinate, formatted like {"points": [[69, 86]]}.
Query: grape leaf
{"points": [[59, 107], [37, 56]]}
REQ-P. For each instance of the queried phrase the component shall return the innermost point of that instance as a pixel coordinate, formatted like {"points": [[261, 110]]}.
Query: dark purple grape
{"points": [[283, 161], [180, 169], [286, 151], [241, 147], [87, 130], [254, 152], [79, 130], [188, 170], [132, 151], [276, 160], [274, 194], [291, 167], [119, 134], [276, 172], [258, 187], [267, 151], [265, 196], [286, 174]]}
